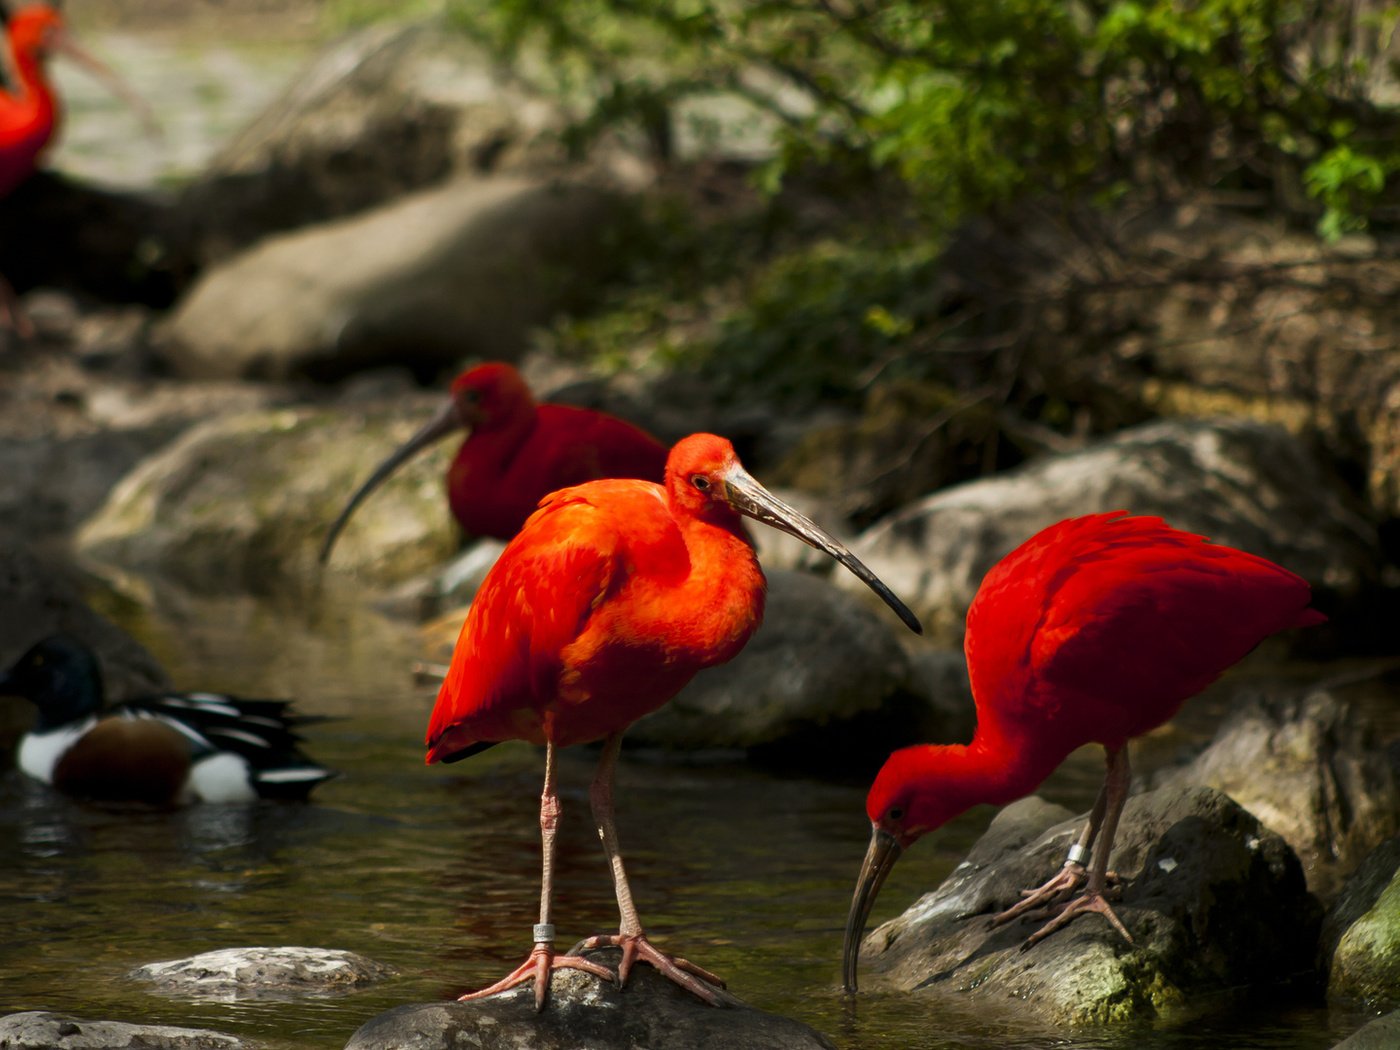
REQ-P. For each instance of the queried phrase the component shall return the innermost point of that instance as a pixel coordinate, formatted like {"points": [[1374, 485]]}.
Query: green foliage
{"points": [[973, 105]]}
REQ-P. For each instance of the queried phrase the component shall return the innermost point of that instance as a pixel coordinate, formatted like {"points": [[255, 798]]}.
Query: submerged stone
{"points": [[1213, 900], [42, 1030], [584, 1013], [1381, 1034]]}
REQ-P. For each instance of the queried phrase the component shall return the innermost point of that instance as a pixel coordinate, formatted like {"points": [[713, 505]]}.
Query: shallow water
{"points": [[435, 871]]}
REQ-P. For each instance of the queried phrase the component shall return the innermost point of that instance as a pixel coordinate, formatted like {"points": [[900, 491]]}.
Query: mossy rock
{"points": [[1362, 934], [243, 503]]}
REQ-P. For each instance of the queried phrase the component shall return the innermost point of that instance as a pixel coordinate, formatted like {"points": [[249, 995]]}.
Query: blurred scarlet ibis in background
{"points": [[1095, 630], [608, 601], [30, 113], [516, 452]]}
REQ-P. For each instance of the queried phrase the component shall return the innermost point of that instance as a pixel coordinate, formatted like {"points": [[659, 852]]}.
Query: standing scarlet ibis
{"points": [[170, 748], [30, 114], [516, 452], [608, 601], [1094, 630]]}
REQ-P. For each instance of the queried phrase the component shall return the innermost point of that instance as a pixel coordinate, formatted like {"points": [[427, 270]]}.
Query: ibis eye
{"points": [[895, 813], [701, 482]]}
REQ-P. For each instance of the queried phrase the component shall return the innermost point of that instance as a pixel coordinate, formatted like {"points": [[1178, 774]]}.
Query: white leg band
{"points": [[544, 933], [1077, 855]]}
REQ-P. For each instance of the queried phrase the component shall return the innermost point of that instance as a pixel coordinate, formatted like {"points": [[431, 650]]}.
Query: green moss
{"points": [[1366, 966]]}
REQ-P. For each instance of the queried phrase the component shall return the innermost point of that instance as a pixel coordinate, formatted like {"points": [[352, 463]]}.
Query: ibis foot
{"points": [[696, 980], [541, 962], [1037, 902], [1092, 900]]}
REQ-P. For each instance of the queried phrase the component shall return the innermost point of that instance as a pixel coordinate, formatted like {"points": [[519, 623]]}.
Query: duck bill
{"points": [[748, 497], [434, 430], [879, 860], [100, 71]]}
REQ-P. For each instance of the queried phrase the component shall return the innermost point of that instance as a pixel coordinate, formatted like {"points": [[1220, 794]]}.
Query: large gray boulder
{"points": [[584, 1013], [44, 1030], [465, 268], [386, 110], [243, 503], [1213, 899], [1360, 943], [1311, 771], [1239, 483]]}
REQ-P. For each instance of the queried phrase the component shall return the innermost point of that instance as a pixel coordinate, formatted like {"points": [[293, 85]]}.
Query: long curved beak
{"points": [[445, 422], [747, 496], [66, 46], [879, 860]]}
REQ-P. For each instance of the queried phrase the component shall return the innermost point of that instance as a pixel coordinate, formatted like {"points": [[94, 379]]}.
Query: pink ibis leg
{"points": [[542, 961], [1094, 897], [1070, 876], [630, 938]]}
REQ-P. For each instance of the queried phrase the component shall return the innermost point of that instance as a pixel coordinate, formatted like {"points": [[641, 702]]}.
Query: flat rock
{"points": [[465, 268], [243, 503], [1360, 943], [1381, 1034], [41, 1030], [1312, 771], [1243, 484], [228, 974], [583, 1013], [1216, 904]]}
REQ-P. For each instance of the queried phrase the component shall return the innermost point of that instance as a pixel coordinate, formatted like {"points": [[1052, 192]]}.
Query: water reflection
{"points": [[436, 871]]}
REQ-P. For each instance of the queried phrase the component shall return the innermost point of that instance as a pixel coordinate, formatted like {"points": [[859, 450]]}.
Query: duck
{"points": [[165, 749]]}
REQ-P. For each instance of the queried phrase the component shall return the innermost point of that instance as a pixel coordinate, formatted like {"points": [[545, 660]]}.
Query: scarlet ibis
{"points": [[177, 747], [30, 114], [1094, 630], [516, 452], [613, 595]]}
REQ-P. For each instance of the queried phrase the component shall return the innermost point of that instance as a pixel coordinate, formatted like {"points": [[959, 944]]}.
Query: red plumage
{"points": [[613, 596], [1095, 630], [29, 116], [519, 451], [516, 452]]}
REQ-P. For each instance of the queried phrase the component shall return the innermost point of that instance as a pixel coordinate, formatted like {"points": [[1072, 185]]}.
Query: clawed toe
{"points": [[697, 980], [1088, 902], [538, 967]]}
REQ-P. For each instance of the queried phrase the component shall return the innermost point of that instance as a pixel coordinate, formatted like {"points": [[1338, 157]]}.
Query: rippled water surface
{"points": [[435, 871]]}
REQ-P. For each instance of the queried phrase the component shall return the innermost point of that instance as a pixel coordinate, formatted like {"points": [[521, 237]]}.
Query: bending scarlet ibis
{"points": [[516, 452], [30, 114], [608, 601], [1095, 630]]}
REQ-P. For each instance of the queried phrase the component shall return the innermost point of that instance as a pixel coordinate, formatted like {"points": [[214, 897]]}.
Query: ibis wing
{"points": [[577, 445], [1136, 617], [535, 601]]}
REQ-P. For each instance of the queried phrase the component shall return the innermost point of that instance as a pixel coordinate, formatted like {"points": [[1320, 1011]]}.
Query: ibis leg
{"points": [[542, 960], [1070, 876], [1094, 898], [629, 937]]}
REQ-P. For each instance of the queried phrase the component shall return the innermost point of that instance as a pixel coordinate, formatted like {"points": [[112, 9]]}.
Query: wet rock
{"points": [[242, 504], [40, 596], [1381, 1034], [1312, 772], [387, 110], [250, 973], [824, 677], [1360, 943], [465, 268], [1242, 484], [1213, 899], [41, 1030], [584, 1012]]}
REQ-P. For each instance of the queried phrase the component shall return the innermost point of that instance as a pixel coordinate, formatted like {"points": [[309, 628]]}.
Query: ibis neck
{"points": [[993, 769]]}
